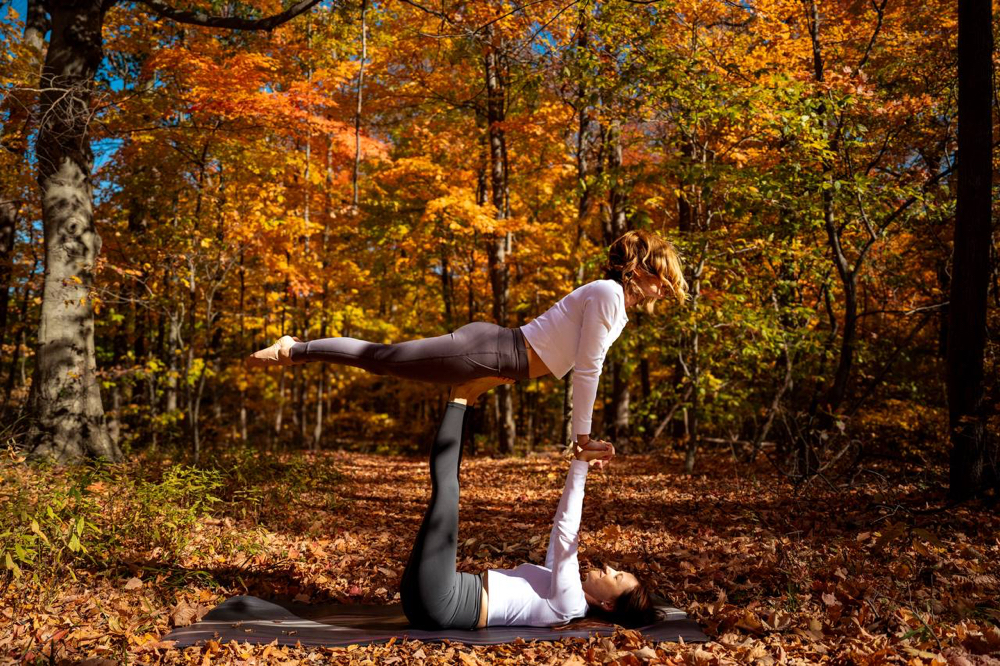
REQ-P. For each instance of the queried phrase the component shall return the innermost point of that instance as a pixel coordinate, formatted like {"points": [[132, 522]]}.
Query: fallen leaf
{"points": [[183, 614]]}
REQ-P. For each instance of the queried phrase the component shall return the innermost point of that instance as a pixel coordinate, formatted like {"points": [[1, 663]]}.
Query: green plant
{"points": [[45, 527], [166, 511]]}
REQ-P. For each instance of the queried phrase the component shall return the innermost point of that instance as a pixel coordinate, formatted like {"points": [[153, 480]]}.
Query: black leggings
{"points": [[434, 594], [476, 350]]}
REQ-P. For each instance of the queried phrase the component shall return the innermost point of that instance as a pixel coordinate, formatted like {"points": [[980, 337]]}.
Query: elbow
{"points": [[590, 373]]}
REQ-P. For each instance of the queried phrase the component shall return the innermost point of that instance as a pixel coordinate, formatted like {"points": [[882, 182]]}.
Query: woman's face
{"points": [[605, 585], [649, 284]]}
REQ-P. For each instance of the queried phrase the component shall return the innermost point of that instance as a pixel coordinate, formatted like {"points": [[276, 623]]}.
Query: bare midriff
{"points": [[484, 603], [536, 368]]}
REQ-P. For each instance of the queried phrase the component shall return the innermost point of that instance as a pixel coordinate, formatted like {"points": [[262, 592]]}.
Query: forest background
{"points": [[473, 164]]}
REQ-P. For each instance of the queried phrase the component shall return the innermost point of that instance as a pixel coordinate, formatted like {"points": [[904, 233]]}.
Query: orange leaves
{"points": [[231, 86]]}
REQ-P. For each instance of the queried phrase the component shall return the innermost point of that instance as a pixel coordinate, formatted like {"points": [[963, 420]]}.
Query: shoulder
{"points": [[608, 293], [606, 288]]}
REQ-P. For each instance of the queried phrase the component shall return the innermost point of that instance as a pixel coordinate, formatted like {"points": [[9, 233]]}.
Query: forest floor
{"points": [[111, 558]]}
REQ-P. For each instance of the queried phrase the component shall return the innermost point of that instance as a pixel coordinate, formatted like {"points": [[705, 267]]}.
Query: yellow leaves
{"points": [[458, 209]]}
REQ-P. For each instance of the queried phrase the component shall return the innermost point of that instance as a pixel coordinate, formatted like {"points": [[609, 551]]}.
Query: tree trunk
{"points": [[243, 346], [16, 356], [8, 229], [325, 294], [67, 417], [847, 273], [585, 125], [685, 225], [357, 114], [975, 456], [14, 138], [691, 416], [447, 289], [616, 224], [173, 357], [499, 244]]}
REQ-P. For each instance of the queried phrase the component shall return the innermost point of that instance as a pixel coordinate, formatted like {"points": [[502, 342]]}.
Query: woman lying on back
{"points": [[436, 596]]}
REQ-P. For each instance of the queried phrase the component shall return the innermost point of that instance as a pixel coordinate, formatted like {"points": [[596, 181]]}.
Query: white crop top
{"points": [[542, 596], [576, 333]]}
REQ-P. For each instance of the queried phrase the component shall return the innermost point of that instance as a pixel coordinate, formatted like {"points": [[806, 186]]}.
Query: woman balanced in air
{"points": [[437, 596], [574, 334]]}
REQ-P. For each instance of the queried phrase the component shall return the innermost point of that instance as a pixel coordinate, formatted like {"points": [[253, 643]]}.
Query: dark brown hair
{"points": [[641, 249], [632, 609]]}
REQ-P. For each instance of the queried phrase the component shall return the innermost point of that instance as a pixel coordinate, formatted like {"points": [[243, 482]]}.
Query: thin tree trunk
{"points": [[8, 229], [499, 244], [14, 139], [975, 455], [447, 288], [243, 345], [301, 378], [615, 224], [280, 411], [848, 275], [584, 130], [16, 356], [67, 417], [685, 225], [691, 416], [325, 294], [357, 114], [173, 357]]}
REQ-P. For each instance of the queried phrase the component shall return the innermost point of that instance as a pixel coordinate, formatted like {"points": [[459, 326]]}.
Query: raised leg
{"points": [[468, 353], [430, 583]]}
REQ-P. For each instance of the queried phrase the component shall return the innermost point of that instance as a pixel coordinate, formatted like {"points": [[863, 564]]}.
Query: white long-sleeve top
{"points": [[536, 596], [576, 333]]}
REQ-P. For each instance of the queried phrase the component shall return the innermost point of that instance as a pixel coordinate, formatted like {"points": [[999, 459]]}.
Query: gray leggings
{"points": [[479, 349], [434, 594]]}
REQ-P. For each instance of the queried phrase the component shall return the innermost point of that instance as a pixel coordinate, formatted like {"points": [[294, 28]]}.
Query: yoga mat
{"points": [[257, 621]]}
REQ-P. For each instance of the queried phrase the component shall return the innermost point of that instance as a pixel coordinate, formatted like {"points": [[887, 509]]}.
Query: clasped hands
{"points": [[594, 452]]}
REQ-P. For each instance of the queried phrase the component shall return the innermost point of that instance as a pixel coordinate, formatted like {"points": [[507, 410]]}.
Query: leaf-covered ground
{"points": [[864, 573]]}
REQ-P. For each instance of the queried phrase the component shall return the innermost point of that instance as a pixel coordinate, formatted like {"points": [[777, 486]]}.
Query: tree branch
{"points": [[880, 14], [161, 8]]}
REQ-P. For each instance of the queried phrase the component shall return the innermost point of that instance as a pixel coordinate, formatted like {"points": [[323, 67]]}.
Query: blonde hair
{"points": [[641, 249]]}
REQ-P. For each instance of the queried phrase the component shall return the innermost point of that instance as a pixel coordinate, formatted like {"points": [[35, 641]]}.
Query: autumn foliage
{"points": [[799, 159]]}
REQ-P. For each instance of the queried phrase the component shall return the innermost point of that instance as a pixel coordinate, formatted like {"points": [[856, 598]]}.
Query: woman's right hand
{"points": [[595, 452]]}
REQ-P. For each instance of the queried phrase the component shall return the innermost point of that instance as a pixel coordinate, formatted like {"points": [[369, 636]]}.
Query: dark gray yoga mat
{"points": [[257, 621]]}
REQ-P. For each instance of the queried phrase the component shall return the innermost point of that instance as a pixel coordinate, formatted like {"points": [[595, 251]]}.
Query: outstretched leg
{"points": [[476, 350]]}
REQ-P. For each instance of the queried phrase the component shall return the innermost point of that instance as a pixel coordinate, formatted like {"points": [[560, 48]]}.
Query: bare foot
{"points": [[280, 354], [471, 390]]}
